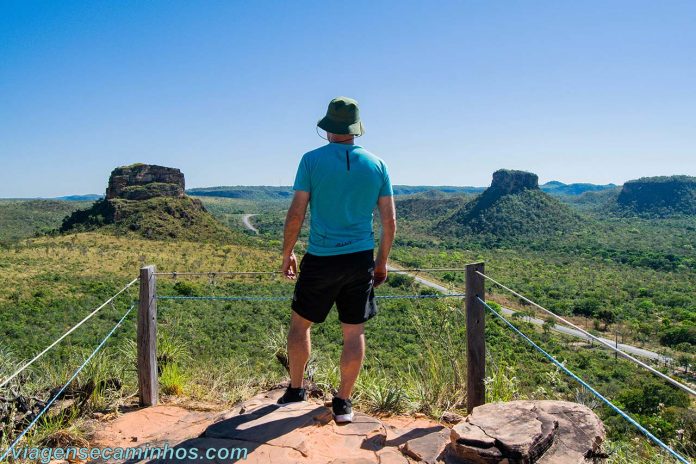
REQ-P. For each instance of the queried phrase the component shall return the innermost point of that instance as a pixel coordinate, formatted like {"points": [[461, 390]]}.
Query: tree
{"points": [[586, 307], [649, 398], [549, 324], [684, 360], [607, 316]]}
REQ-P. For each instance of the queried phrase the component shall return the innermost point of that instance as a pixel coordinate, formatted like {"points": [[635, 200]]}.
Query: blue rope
{"points": [[226, 298], [57, 395], [628, 418], [287, 298]]}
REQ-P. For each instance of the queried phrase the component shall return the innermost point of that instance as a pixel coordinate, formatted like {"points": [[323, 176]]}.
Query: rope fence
{"points": [[62, 337], [176, 274], [60, 392], [149, 296], [567, 371], [669, 379], [288, 298]]}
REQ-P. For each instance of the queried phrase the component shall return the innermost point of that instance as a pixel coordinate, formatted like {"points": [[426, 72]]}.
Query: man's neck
{"points": [[345, 141]]}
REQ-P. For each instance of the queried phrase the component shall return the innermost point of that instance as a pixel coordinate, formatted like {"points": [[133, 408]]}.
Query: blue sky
{"points": [[230, 91]]}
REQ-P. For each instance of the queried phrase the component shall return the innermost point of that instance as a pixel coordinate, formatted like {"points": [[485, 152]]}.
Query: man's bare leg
{"points": [[351, 357], [299, 348]]}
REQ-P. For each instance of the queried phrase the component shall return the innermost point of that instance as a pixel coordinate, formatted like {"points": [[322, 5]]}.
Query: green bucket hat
{"points": [[342, 117]]}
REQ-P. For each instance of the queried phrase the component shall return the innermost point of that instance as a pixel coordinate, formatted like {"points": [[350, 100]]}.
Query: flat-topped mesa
{"points": [[508, 181], [151, 201], [666, 195], [145, 181]]}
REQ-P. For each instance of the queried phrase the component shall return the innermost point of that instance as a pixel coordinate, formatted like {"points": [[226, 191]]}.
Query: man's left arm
{"points": [[293, 225]]}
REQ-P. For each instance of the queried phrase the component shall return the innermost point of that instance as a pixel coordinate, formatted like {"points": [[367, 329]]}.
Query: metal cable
{"points": [[60, 392], [232, 273], [287, 298], [75, 327], [677, 384], [628, 418]]}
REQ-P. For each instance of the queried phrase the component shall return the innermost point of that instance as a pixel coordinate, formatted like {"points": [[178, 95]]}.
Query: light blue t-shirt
{"points": [[344, 183]]}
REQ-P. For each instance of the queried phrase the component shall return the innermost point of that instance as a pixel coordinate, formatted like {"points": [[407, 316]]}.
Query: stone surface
{"points": [[507, 181], [391, 456], [305, 433], [527, 431], [154, 425], [144, 181], [428, 448], [296, 433], [450, 417]]}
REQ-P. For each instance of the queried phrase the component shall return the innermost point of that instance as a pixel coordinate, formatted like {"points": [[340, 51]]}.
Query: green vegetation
{"points": [[25, 218], [511, 217], [659, 196], [266, 193], [564, 190], [580, 256], [155, 218]]}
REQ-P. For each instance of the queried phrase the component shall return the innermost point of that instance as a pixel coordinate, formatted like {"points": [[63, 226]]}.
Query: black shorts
{"points": [[342, 279]]}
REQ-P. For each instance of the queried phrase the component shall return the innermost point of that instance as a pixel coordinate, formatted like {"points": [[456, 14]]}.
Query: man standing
{"points": [[342, 182]]}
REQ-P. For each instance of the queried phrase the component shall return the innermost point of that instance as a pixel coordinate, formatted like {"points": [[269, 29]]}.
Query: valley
{"points": [[617, 272]]}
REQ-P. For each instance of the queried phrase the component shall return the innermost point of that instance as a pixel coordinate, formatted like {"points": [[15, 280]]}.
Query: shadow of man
{"points": [[236, 438]]}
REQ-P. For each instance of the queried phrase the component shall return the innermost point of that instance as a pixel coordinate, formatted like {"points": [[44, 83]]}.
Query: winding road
{"points": [[634, 350], [248, 224], [556, 328]]}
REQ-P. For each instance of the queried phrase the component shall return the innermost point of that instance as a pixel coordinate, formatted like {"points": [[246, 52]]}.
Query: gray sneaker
{"points": [[342, 410]]}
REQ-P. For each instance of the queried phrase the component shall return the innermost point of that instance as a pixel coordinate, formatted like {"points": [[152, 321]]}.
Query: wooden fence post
{"points": [[148, 386], [475, 337]]}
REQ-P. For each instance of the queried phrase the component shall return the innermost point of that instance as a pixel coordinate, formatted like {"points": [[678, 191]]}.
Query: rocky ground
{"points": [[548, 432]]}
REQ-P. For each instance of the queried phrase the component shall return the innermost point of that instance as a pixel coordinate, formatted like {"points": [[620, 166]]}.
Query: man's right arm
{"points": [[387, 214], [293, 225]]}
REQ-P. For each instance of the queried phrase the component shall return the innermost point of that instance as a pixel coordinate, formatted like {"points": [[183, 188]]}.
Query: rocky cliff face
{"points": [[145, 181], [150, 201], [512, 208], [508, 181], [659, 195]]}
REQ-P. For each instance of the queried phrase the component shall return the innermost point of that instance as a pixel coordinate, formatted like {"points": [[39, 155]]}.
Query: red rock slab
{"points": [[153, 425], [391, 456], [428, 448], [272, 424], [256, 454]]}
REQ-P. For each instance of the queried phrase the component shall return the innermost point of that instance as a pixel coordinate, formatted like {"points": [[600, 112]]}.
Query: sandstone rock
{"points": [[391, 456], [144, 181], [507, 181], [270, 424], [526, 432], [305, 433], [153, 425], [353, 461], [427, 448], [450, 417]]}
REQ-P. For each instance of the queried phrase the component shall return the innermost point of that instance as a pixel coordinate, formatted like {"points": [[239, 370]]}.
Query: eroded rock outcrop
{"points": [[144, 181], [512, 209], [507, 181], [149, 200], [548, 432]]}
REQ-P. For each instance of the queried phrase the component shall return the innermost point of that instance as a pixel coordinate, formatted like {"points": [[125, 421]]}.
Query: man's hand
{"points": [[289, 268], [387, 215], [380, 274]]}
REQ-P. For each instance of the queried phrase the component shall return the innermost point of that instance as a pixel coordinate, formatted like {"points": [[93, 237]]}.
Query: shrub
{"points": [[187, 288], [677, 335], [400, 281], [172, 380]]}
